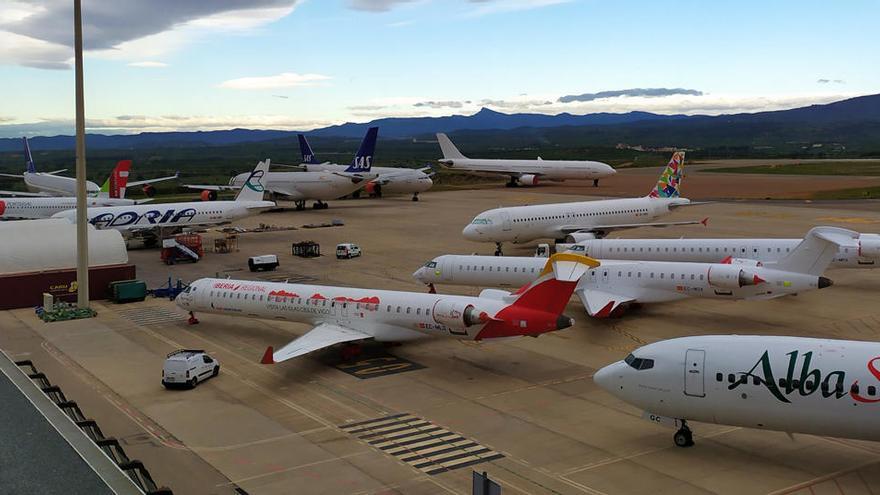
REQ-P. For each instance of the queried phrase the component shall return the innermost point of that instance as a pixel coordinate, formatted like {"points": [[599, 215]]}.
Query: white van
{"points": [[347, 250], [266, 262], [188, 367]]}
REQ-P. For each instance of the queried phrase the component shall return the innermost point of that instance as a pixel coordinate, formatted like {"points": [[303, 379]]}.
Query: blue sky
{"points": [[189, 64]]}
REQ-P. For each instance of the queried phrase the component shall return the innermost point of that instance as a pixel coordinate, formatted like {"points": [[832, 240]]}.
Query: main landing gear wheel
{"points": [[415, 197], [300, 205], [683, 437], [498, 251], [512, 182], [320, 205], [595, 182]]}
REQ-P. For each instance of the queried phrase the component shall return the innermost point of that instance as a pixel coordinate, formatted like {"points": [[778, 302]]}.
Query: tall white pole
{"points": [[82, 231]]}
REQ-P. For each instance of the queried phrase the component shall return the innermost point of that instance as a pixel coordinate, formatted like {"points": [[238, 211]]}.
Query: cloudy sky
{"points": [[299, 64]]}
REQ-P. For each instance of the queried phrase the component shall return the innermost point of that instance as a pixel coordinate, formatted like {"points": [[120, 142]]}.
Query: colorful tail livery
{"points": [[308, 156], [114, 186], [255, 185], [363, 161], [28, 158], [537, 307], [670, 180]]}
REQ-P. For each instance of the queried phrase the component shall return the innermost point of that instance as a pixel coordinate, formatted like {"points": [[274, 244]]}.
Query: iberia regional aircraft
{"points": [[342, 314]]}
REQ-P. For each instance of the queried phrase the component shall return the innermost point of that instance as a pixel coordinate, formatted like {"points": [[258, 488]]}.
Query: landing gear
{"points": [[498, 251], [300, 205], [595, 182], [415, 197], [512, 183], [350, 352], [192, 320], [431, 289], [320, 205], [683, 437], [356, 194]]}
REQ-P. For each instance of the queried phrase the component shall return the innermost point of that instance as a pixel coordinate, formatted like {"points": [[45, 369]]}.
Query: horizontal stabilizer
{"points": [[320, 337]]}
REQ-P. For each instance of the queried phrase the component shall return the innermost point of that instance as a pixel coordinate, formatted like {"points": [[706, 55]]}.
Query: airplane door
{"points": [[506, 224], [694, 373]]}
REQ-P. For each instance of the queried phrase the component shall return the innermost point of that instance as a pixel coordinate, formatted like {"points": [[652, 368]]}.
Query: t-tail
{"points": [[450, 152], [114, 186], [28, 158], [819, 247], [308, 156], [255, 185], [669, 184], [363, 161]]}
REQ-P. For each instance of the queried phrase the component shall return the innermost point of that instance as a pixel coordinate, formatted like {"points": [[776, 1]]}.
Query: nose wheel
{"points": [[300, 205], [595, 182], [683, 437]]}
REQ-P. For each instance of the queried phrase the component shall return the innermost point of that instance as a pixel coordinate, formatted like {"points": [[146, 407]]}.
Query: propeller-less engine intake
{"points": [[731, 277], [458, 315], [869, 245], [528, 179], [576, 237]]}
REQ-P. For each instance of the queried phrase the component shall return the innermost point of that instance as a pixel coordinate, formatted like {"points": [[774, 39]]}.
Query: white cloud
{"points": [[283, 80], [148, 64], [500, 6], [376, 5]]}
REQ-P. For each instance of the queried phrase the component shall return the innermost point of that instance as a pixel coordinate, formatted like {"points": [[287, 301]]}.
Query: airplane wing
{"points": [[323, 335], [212, 187], [608, 228], [692, 203], [25, 194], [56, 171], [601, 304], [17, 176], [150, 181], [355, 178]]}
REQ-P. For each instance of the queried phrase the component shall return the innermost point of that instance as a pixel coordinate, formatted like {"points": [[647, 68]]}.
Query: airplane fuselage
{"points": [[300, 186], [556, 170], [793, 384], [55, 185], [33, 208]]}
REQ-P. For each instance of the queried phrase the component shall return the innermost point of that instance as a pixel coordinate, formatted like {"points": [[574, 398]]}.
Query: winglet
{"points": [[705, 222], [28, 158], [267, 356]]}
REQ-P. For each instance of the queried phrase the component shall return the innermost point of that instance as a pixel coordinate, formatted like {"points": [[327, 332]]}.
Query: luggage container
{"points": [[126, 291]]}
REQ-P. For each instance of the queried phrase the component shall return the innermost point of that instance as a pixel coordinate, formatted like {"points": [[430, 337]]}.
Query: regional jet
{"points": [[344, 314], [523, 172]]}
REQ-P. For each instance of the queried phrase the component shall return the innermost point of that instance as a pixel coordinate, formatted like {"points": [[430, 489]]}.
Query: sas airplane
{"points": [[523, 172], [584, 219], [608, 290], [343, 314], [49, 184], [791, 384], [389, 180]]}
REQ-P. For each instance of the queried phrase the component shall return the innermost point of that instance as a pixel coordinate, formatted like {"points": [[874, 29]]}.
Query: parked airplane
{"points": [[791, 384], [319, 186], [584, 219], [608, 290], [48, 184], [865, 254], [158, 217], [523, 172], [343, 314], [389, 180]]}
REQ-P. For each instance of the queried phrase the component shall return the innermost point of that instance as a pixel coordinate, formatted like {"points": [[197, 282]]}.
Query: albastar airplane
{"points": [[865, 254], [343, 314], [48, 184], [523, 172], [583, 219], [389, 180], [792, 384], [318, 186], [155, 218], [608, 290]]}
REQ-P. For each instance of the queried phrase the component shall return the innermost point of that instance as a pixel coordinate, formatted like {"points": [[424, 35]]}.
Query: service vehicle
{"points": [[347, 250], [187, 367], [267, 262]]}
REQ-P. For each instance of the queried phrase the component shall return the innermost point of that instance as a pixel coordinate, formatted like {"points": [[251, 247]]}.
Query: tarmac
{"points": [[419, 417]]}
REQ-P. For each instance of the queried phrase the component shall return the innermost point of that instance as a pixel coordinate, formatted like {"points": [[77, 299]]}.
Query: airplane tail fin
{"points": [[670, 180], [255, 185], [28, 158], [114, 186], [449, 150], [553, 288], [363, 160], [813, 255], [308, 156]]}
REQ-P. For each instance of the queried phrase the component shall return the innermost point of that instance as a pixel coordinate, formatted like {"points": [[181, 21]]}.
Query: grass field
{"points": [[856, 193], [871, 167]]}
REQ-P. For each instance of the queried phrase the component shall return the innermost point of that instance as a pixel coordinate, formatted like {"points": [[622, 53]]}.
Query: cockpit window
{"points": [[639, 363], [188, 289], [481, 221], [577, 248], [431, 264]]}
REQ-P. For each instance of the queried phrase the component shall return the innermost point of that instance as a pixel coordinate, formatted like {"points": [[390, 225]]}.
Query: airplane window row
{"points": [[795, 384], [639, 363], [650, 275], [482, 268], [618, 249], [579, 215]]}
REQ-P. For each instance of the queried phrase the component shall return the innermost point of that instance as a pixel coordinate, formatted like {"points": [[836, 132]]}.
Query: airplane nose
{"points": [[605, 378], [470, 232], [419, 274]]}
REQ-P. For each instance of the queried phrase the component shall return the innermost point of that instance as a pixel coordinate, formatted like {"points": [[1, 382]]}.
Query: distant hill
{"points": [[850, 123]]}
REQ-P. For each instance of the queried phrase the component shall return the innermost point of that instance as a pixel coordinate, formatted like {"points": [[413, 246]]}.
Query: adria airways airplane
{"points": [[791, 384], [389, 180], [48, 184], [155, 217], [584, 219], [864, 254], [523, 172], [342, 314], [609, 289]]}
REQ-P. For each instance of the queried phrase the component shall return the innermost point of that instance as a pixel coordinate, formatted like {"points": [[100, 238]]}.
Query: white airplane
{"points": [[389, 180], [157, 217], [343, 314], [608, 290], [523, 172], [582, 220], [865, 254], [792, 384], [48, 184], [319, 186]]}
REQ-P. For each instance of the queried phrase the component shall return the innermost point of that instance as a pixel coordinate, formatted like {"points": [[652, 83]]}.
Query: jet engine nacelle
{"points": [[149, 191], [207, 195], [458, 315], [731, 277], [576, 237], [528, 180], [743, 262], [869, 245]]}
